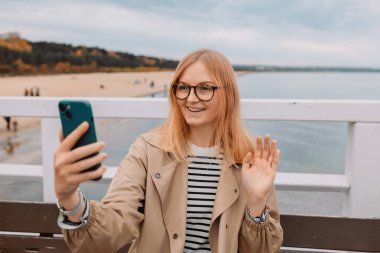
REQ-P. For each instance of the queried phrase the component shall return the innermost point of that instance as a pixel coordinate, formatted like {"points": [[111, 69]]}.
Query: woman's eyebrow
{"points": [[197, 83]]}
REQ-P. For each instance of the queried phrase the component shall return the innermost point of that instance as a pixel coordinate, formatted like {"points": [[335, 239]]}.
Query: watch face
{"points": [[258, 219]]}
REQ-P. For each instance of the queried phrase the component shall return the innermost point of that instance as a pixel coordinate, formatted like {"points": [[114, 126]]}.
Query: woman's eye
{"points": [[183, 87], [205, 88]]}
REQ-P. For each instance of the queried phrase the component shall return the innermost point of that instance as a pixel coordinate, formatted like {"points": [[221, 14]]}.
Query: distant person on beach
{"points": [[8, 122], [198, 183]]}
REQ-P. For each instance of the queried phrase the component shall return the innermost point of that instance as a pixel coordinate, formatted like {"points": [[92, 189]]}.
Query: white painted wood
{"points": [[50, 141], [257, 109], [363, 171], [311, 182], [25, 170], [110, 173], [284, 181]]}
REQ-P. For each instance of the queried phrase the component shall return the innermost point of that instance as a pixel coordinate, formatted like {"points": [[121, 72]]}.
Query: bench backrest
{"points": [[332, 233]]}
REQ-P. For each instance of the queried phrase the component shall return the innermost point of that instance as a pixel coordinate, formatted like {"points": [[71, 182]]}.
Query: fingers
{"points": [[276, 159], [259, 148], [247, 161], [82, 177], [273, 149], [70, 140], [84, 151], [266, 150], [85, 164]]}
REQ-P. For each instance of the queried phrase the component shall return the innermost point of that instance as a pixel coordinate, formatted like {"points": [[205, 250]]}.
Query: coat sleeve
{"points": [[115, 221], [262, 238]]}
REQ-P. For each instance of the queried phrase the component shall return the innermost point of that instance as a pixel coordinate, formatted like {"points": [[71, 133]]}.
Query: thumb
{"points": [[246, 161]]}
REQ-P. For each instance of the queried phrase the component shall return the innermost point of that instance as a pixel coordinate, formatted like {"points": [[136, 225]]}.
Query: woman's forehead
{"points": [[196, 73]]}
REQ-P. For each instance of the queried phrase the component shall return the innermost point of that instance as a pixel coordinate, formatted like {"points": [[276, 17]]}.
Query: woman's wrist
{"points": [[70, 202], [256, 205]]}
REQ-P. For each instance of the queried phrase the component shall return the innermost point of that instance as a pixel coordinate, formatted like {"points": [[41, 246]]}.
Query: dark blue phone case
{"points": [[72, 114]]}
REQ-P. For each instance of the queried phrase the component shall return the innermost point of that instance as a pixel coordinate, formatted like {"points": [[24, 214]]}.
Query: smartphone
{"points": [[72, 114]]}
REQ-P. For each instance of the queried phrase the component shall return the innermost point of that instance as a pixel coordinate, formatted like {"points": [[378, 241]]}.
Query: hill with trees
{"points": [[19, 56]]}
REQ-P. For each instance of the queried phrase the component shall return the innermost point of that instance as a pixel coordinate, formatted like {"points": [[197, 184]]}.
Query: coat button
{"points": [[157, 175], [175, 236]]}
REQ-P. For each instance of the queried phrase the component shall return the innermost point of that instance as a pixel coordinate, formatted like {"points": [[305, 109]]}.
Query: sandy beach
{"points": [[131, 84]]}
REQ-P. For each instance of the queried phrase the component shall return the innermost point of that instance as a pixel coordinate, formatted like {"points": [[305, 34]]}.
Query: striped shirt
{"points": [[203, 177]]}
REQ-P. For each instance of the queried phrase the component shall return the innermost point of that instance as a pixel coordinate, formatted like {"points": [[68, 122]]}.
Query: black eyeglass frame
{"points": [[174, 88]]}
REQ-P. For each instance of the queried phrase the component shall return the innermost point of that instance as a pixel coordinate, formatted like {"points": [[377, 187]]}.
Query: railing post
{"points": [[363, 170], [50, 140]]}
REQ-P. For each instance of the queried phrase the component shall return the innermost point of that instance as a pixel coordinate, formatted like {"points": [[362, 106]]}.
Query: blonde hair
{"points": [[230, 135]]}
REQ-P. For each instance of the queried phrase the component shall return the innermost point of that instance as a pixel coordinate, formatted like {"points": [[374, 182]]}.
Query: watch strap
{"points": [[257, 219], [81, 204]]}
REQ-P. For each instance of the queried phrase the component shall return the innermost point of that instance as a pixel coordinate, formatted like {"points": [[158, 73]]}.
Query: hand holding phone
{"points": [[78, 158]]}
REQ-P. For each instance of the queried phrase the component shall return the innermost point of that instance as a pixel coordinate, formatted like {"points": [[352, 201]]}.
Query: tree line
{"points": [[48, 57]]}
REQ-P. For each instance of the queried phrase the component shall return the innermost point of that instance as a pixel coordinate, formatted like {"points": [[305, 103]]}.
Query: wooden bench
{"points": [[38, 223]]}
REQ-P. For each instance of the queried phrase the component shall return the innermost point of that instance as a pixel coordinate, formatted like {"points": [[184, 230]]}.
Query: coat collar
{"points": [[157, 139]]}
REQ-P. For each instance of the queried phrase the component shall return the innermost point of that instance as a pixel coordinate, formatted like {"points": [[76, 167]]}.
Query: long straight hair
{"points": [[229, 135]]}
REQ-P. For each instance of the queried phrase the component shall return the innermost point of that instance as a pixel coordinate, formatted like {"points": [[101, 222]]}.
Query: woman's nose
{"points": [[192, 96]]}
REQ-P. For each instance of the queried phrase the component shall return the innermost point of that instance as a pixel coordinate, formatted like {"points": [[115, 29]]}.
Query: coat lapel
{"points": [[171, 184], [226, 194]]}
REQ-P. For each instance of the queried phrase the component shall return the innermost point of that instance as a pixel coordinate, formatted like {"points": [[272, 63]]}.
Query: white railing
{"points": [[362, 172]]}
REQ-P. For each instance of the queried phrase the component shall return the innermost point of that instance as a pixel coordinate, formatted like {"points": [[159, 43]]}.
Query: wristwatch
{"points": [[257, 219], [63, 217]]}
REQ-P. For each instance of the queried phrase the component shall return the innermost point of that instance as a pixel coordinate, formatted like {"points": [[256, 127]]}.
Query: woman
{"points": [[196, 184]]}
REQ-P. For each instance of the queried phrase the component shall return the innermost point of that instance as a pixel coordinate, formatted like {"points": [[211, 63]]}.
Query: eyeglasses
{"points": [[203, 91]]}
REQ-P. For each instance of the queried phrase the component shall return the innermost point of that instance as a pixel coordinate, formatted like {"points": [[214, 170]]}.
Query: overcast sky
{"points": [[270, 32]]}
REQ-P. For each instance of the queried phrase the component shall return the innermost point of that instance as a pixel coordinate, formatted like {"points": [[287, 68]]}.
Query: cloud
{"points": [[271, 32], [318, 47]]}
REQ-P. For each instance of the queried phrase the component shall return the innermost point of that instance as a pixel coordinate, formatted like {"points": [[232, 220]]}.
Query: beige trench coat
{"points": [[150, 178]]}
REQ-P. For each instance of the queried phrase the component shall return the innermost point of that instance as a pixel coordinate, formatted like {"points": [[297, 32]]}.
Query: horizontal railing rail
{"points": [[358, 183]]}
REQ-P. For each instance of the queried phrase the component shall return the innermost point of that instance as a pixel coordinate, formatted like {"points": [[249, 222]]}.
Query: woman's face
{"points": [[198, 113]]}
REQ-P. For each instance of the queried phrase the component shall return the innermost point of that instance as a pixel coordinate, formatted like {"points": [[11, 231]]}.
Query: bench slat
{"points": [[335, 233], [29, 217], [32, 244]]}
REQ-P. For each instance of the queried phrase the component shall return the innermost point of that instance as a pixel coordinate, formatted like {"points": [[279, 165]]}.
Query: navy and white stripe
{"points": [[203, 177]]}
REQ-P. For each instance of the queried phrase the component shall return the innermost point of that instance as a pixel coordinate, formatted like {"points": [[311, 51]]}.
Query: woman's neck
{"points": [[202, 137]]}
